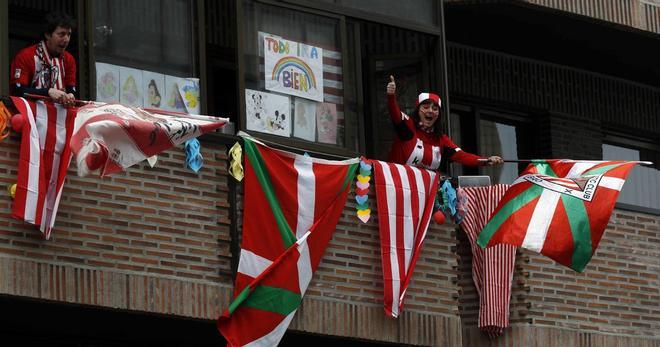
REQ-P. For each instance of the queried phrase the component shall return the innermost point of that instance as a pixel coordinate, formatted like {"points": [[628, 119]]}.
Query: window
{"points": [[294, 77], [146, 54], [499, 139], [487, 133], [643, 184]]}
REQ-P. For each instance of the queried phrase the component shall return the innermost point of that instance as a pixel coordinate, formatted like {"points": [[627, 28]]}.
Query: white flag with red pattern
{"points": [[405, 196], [43, 161], [111, 137]]}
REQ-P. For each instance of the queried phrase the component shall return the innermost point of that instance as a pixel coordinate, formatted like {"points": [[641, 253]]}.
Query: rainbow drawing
{"points": [[298, 63]]}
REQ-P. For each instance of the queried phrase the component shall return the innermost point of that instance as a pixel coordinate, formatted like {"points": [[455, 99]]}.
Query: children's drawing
{"points": [[130, 86], [326, 120], [304, 119], [107, 83], [268, 113], [153, 89], [189, 90], [173, 99]]}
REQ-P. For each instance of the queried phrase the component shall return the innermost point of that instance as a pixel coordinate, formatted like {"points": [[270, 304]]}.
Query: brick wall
{"points": [[163, 230], [573, 137], [158, 240], [619, 291], [615, 301]]}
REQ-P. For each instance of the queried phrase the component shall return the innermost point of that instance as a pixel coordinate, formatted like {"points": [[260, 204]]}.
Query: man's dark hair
{"points": [[58, 19]]}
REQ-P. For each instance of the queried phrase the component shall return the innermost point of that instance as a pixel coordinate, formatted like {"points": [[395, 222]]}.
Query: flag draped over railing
{"points": [[492, 268], [292, 204], [109, 138], [405, 196], [558, 208], [43, 161], [104, 137]]}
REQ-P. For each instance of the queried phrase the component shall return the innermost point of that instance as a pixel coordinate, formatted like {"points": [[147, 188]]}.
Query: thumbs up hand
{"points": [[391, 86]]}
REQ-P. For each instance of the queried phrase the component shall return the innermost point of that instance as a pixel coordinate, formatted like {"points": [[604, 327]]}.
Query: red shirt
{"points": [[413, 146], [29, 70]]}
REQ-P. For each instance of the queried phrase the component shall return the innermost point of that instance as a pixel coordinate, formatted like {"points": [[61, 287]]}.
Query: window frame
{"points": [[621, 140], [4, 47], [326, 150], [470, 133], [87, 56]]}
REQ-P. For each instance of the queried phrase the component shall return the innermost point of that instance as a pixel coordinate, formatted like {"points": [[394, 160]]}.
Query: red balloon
{"points": [[439, 217], [17, 122]]}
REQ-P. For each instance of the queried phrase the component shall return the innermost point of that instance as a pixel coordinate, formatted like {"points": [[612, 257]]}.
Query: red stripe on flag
{"points": [[399, 233], [18, 210], [386, 243], [402, 227], [49, 119]]}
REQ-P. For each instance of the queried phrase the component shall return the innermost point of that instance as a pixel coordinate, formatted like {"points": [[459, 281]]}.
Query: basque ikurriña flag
{"points": [[559, 208], [44, 158], [292, 205], [405, 196]]}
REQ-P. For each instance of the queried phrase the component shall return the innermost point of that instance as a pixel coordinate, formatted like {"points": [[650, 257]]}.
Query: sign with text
{"points": [[293, 68]]}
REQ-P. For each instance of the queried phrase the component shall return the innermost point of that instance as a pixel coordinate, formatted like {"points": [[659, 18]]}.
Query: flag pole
{"points": [[47, 98], [510, 160], [648, 163]]}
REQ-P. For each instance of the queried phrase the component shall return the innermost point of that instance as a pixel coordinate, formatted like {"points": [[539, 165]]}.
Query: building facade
{"points": [[149, 255]]}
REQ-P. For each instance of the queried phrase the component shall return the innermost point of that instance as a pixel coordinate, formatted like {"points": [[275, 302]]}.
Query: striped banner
{"points": [[292, 204], [492, 268], [43, 161], [109, 138], [558, 208], [405, 196]]}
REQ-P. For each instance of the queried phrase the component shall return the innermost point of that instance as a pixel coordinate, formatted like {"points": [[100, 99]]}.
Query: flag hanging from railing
{"points": [[44, 158], [292, 204], [558, 208], [109, 138], [492, 268], [405, 196]]}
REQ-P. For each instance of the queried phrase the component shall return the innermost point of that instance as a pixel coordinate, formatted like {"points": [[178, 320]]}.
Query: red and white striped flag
{"points": [[405, 196], [111, 137], [492, 268], [43, 162], [292, 204]]}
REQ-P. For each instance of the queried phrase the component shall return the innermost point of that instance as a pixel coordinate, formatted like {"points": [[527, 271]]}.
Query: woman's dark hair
{"points": [[58, 19], [438, 127]]}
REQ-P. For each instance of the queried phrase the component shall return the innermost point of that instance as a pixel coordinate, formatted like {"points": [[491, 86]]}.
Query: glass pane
{"points": [[145, 54], [149, 34], [302, 53], [499, 139], [643, 183]]}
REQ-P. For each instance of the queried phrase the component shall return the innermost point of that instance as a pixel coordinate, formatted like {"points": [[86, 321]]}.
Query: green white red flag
{"points": [[559, 208], [291, 207]]}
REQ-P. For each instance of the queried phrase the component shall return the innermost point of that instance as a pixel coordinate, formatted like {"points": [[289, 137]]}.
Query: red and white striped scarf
{"points": [[43, 162], [48, 70], [492, 268], [405, 196]]}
